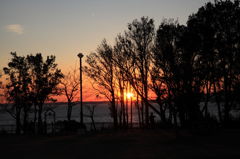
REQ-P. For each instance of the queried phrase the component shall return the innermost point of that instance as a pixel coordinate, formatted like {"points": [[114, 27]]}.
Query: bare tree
{"points": [[100, 69], [70, 84], [122, 58], [91, 110], [137, 44]]}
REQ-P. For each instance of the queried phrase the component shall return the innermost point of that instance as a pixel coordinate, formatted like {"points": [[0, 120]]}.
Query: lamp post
{"points": [[80, 55]]}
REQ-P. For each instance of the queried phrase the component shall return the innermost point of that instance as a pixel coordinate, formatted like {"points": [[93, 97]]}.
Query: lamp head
{"points": [[80, 55]]}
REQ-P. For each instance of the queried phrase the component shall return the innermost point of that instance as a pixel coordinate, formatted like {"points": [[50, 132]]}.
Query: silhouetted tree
{"points": [[100, 69], [216, 25], [122, 59], [137, 43], [140, 34], [175, 73], [70, 85], [91, 110], [164, 67], [18, 90], [45, 78]]}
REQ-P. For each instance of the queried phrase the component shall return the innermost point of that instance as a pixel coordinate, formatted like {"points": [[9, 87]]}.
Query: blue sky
{"points": [[66, 27]]}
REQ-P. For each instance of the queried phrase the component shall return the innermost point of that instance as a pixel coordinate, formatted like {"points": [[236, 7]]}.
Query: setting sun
{"points": [[129, 95]]}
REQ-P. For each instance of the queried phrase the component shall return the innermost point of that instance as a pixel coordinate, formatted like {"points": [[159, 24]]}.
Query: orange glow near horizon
{"points": [[129, 95]]}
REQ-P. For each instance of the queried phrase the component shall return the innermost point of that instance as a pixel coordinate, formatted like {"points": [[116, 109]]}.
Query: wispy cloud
{"points": [[15, 28]]}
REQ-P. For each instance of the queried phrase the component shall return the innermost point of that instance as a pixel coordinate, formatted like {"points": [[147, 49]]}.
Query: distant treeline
{"points": [[183, 65]]}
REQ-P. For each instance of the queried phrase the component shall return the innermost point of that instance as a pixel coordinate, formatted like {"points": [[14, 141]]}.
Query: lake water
{"points": [[101, 115]]}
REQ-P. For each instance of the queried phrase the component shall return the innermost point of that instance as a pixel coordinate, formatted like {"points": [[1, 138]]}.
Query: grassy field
{"points": [[130, 144]]}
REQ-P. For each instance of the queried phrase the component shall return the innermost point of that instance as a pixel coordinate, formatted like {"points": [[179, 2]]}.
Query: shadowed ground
{"points": [[124, 144]]}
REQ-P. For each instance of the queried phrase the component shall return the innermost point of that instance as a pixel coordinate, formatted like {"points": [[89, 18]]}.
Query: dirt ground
{"points": [[129, 144]]}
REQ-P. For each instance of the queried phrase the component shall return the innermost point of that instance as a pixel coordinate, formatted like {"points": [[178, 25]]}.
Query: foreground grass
{"points": [[130, 144]]}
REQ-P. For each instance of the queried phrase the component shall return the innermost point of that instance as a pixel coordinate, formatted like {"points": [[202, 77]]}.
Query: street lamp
{"points": [[80, 55]]}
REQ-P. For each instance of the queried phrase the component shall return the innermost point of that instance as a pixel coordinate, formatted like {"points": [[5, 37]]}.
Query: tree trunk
{"points": [[25, 121], [18, 120], [162, 112], [40, 124], [226, 98], [139, 112], [142, 112], [127, 115], [114, 111], [35, 118], [218, 103], [69, 110]]}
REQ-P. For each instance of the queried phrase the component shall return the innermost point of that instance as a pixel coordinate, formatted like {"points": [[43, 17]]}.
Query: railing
{"points": [[55, 128], [9, 129]]}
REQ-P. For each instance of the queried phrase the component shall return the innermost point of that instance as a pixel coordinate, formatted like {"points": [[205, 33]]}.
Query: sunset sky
{"points": [[66, 27]]}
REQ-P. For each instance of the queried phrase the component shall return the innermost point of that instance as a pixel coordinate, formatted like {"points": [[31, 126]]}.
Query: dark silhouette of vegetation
{"points": [[18, 88], [101, 70], [216, 26], [91, 110], [68, 126], [185, 66], [31, 82], [136, 45], [45, 77], [175, 56], [70, 84]]}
